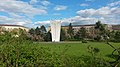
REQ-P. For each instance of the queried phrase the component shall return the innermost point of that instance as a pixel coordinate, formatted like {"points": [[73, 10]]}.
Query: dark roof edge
{"points": [[13, 25], [80, 25]]}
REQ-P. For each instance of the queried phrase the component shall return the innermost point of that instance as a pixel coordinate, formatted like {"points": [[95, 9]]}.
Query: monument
{"points": [[55, 30]]}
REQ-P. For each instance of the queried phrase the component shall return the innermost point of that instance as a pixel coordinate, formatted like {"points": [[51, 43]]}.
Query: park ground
{"points": [[79, 48]]}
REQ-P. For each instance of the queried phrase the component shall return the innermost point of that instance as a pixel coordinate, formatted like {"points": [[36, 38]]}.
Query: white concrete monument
{"points": [[55, 30]]}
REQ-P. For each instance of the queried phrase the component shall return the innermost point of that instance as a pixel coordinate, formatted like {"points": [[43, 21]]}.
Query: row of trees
{"points": [[41, 34], [102, 33]]}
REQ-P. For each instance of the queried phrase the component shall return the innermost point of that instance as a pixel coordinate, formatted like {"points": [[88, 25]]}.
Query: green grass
{"points": [[78, 48], [75, 54]]}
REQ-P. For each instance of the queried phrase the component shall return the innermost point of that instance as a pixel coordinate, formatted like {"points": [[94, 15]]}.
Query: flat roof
{"points": [[80, 25], [12, 25]]}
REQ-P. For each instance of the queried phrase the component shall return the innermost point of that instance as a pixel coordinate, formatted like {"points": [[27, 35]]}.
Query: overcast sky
{"points": [[32, 13]]}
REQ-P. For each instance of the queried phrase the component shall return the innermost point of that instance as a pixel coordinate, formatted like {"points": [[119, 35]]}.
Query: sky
{"points": [[33, 13]]}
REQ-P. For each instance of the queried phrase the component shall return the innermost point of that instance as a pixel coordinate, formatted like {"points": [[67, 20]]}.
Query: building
{"points": [[90, 28], [5, 27], [116, 27]]}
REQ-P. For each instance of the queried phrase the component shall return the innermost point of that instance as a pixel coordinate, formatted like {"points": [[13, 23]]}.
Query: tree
{"points": [[43, 31], [112, 35], [37, 31], [48, 36], [36, 34], [117, 36], [81, 34], [32, 31], [98, 25], [70, 31], [62, 35], [102, 31]]}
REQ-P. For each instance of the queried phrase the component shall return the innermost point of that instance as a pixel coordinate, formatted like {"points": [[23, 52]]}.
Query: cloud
{"points": [[19, 12], [33, 1], [117, 3], [90, 0], [42, 22], [60, 7], [42, 2], [12, 6], [21, 23], [57, 14], [84, 5], [7, 20], [78, 20], [45, 3], [106, 14], [104, 11]]}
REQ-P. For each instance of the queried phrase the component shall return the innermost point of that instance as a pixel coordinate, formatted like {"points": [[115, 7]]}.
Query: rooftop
{"points": [[80, 25], [12, 25]]}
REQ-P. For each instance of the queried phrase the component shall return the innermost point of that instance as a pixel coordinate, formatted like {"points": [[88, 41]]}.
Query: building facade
{"points": [[90, 29], [4, 27]]}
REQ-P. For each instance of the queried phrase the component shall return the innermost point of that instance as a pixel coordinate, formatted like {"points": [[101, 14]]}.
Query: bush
{"points": [[84, 41], [24, 53], [98, 38]]}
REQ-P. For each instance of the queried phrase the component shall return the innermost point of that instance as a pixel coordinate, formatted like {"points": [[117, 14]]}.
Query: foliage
{"points": [[83, 33], [98, 38], [5, 37], [38, 34], [115, 63], [20, 52], [27, 54], [103, 32], [43, 29], [32, 31], [117, 36], [70, 32], [63, 35], [84, 41], [48, 36], [111, 36]]}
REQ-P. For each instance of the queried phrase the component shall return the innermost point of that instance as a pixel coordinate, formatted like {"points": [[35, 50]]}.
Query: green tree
{"points": [[43, 29], [98, 25], [112, 35], [48, 36], [62, 35], [102, 31], [36, 34], [81, 34], [32, 31], [37, 31], [70, 32], [117, 36]]}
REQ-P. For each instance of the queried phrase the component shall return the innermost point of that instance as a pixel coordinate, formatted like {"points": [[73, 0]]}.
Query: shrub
{"points": [[84, 41]]}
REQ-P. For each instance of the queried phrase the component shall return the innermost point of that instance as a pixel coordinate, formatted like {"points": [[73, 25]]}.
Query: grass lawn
{"points": [[78, 48]]}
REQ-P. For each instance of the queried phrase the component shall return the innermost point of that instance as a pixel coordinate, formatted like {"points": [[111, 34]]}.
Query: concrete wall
{"points": [[55, 30]]}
